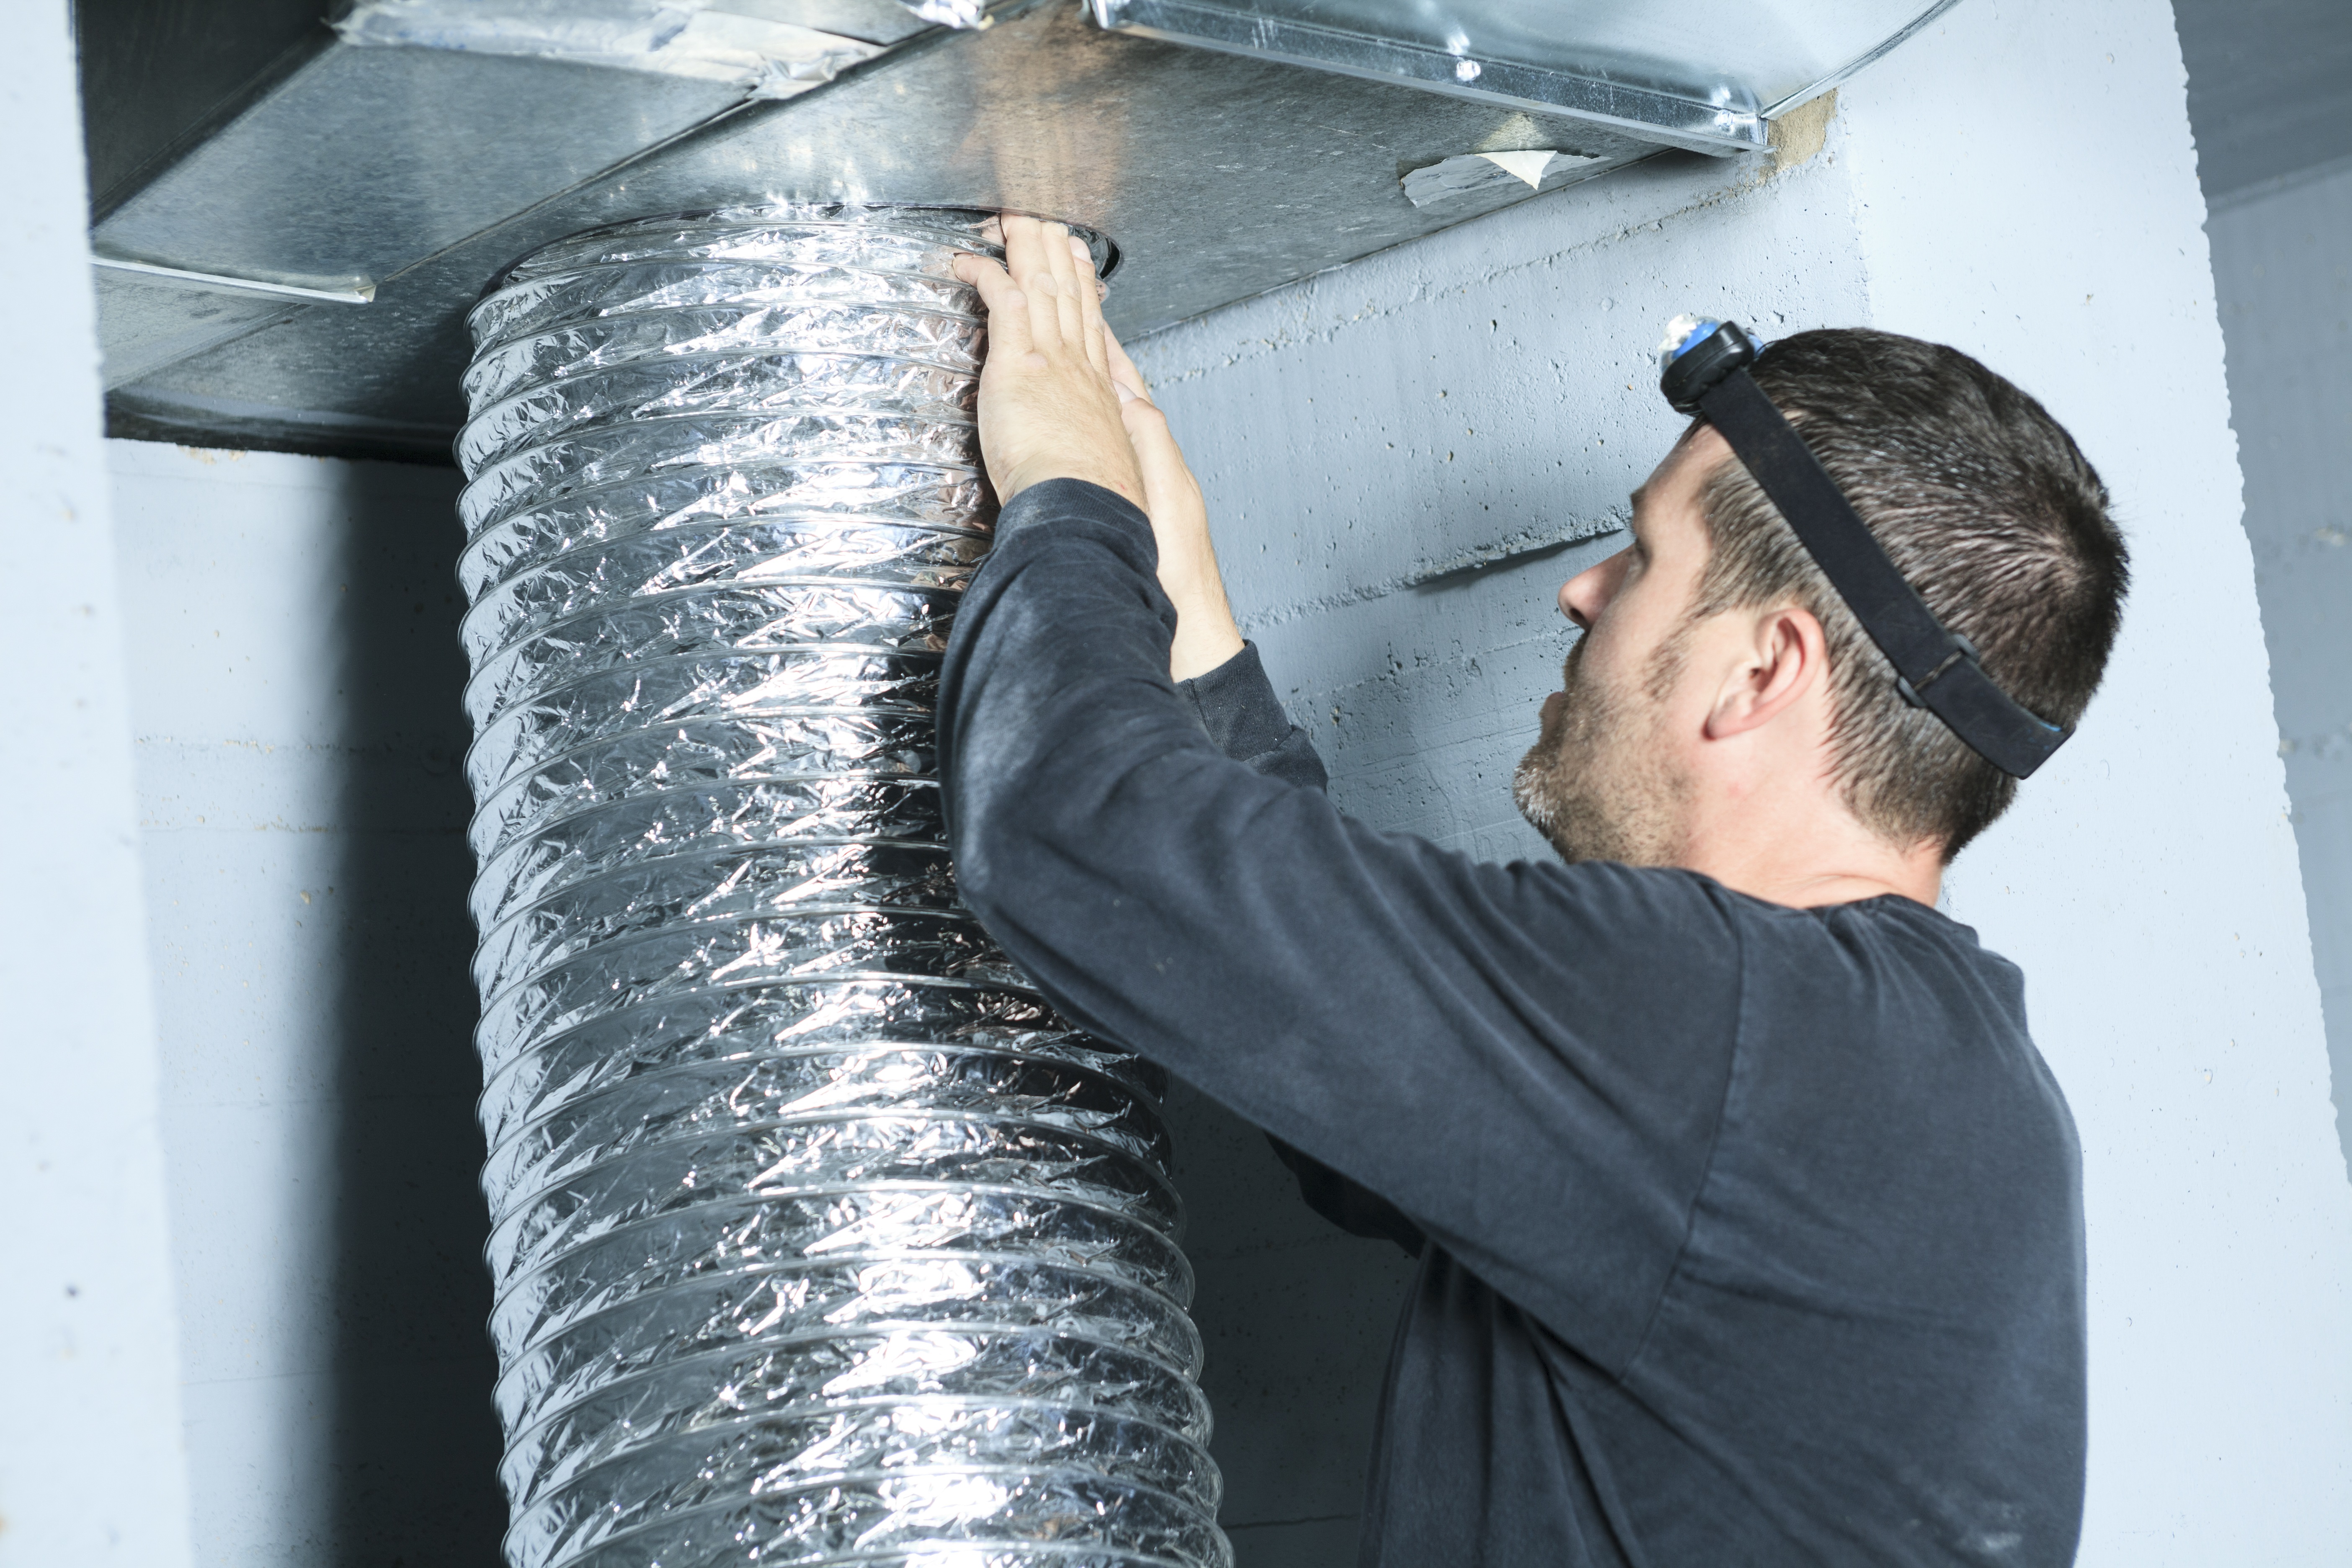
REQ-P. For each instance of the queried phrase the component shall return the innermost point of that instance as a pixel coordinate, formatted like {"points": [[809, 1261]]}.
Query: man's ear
{"points": [[1782, 658]]}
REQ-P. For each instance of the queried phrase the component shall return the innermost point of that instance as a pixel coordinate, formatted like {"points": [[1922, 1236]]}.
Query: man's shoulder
{"points": [[1899, 1011], [1655, 918], [1880, 938], [1888, 931], [1879, 974], [1883, 927], [1668, 891]]}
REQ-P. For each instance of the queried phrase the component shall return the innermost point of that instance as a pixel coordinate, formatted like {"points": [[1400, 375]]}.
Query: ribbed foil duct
{"points": [[816, 1236]]}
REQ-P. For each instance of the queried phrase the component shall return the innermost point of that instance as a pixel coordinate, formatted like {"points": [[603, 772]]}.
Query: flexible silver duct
{"points": [[816, 1237]]}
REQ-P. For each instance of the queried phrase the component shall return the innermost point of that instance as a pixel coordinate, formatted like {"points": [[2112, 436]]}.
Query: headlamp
{"points": [[1703, 371]]}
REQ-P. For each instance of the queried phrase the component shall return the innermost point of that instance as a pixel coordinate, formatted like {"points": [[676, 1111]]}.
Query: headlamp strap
{"points": [[1936, 669]]}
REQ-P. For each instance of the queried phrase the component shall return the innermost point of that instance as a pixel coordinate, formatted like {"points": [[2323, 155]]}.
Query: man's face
{"points": [[1608, 779]]}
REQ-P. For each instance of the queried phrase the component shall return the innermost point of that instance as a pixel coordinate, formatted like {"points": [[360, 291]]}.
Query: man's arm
{"points": [[1055, 394], [1235, 706], [1493, 1049], [1530, 1061]]}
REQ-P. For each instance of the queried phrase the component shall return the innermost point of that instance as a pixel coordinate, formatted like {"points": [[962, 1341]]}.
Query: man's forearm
{"points": [[1206, 636]]}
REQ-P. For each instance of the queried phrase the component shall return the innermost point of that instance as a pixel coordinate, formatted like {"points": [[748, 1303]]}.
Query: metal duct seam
{"points": [[815, 1235]]}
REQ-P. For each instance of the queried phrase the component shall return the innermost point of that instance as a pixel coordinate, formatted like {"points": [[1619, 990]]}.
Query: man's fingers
{"points": [[1021, 242], [1054, 270], [1069, 308], [1085, 256], [1044, 312], [1091, 298], [1123, 372], [1025, 260], [1008, 307], [981, 273], [1031, 250], [1048, 281], [1155, 445]]}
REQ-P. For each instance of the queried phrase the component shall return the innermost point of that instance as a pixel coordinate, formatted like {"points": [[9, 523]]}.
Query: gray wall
{"points": [[2270, 88], [2283, 274]]}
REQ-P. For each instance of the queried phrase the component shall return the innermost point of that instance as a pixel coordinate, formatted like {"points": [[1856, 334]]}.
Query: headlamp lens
{"points": [[1684, 333]]}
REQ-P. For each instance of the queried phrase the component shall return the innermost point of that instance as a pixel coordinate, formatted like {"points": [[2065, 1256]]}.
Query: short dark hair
{"points": [[1984, 503]]}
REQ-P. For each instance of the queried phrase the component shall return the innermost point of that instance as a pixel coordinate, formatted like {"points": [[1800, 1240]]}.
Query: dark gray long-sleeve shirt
{"points": [[1754, 1233]]}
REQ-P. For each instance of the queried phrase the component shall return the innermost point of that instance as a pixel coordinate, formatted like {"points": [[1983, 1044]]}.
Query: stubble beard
{"points": [[1597, 782]]}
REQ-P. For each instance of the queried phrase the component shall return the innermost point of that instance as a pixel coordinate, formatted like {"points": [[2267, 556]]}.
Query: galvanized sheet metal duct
{"points": [[816, 1236]]}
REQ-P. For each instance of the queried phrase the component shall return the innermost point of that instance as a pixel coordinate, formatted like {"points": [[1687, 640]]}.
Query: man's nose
{"points": [[1583, 596]]}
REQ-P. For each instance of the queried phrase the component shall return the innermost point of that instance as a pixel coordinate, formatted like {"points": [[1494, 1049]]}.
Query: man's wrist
{"points": [[1127, 486], [1206, 638]]}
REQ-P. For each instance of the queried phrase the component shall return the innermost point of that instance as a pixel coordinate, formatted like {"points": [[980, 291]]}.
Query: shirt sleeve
{"points": [[1235, 707], [1529, 1061]]}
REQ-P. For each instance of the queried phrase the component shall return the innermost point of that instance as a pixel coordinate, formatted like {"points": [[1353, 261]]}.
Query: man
{"points": [[1749, 1217]]}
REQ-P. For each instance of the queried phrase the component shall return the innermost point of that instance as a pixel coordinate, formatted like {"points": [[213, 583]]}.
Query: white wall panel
{"points": [[2147, 881], [294, 670], [91, 1468]]}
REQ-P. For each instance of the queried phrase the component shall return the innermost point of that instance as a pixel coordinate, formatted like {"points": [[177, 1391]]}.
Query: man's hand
{"points": [[1060, 399], [1047, 408]]}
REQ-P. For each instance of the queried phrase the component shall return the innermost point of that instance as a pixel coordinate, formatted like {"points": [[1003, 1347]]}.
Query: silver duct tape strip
{"points": [[816, 1237]]}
